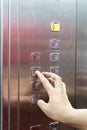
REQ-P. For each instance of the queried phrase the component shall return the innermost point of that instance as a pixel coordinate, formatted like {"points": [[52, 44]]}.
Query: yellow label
{"points": [[55, 27]]}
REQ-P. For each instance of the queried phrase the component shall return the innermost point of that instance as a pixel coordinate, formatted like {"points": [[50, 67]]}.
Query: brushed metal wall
{"points": [[27, 30], [81, 86], [1, 51]]}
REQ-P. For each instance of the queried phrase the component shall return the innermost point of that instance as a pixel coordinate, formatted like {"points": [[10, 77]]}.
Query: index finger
{"points": [[45, 82], [52, 75], [55, 78]]}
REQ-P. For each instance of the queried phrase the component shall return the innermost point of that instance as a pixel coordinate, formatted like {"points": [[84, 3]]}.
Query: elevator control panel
{"points": [[46, 58], [38, 35]]}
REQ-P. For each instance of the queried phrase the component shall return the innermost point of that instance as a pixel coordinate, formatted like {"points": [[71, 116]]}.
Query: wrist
{"points": [[76, 118], [68, 116]]}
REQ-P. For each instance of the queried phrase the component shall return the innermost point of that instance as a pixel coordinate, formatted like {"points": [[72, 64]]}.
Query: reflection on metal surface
{"points": [[1, 59], [81, 74], [9, 55]]}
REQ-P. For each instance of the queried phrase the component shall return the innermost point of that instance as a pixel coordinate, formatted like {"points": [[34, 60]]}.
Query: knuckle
{"points": [[59, 78]]}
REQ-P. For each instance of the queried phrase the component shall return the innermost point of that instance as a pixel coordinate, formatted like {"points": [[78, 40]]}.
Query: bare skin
{"points": [[59, 107]]}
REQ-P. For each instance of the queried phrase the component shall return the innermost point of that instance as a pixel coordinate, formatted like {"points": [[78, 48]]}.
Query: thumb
{"points": [[42, 105]]}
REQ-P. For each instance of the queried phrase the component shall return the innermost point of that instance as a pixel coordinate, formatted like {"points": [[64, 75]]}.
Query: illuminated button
{"points": [[35, 127], [53, 126], [54, 69], [54, 43], [36, 57], [54, 57], [35, 98], [55, 27], [35, 68], [36, 85]]}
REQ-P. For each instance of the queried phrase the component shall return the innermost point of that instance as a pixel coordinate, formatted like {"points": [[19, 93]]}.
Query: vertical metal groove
{"points": [[9, 41], [1, 62], [76, 54], [18, 109]]}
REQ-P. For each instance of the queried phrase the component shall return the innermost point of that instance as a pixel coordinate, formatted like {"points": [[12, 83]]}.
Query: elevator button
{"points": [[35, 68], [54, 69], [36, 85], [35, 127], [53, 126], [55, 27], [35, 98], [36, 57], [54, 57], [54, 43]]}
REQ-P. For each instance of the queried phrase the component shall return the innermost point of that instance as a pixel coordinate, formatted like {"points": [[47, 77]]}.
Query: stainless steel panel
{"points": [[28, 46], [10, 68], [1, 57], [81, 89], [5, 64]]}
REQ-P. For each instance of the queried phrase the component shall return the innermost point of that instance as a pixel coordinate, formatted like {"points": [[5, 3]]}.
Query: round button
{"points": [[35, 98], [36, 85]]}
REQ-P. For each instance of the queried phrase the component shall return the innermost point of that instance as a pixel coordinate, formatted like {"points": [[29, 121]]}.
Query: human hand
{"points": [[58, 106]]}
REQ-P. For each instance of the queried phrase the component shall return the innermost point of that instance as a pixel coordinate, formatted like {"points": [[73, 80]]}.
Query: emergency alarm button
{"points": [[35, 68], [54, 57], [36, 57], [54, 43], [53, 126]]}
